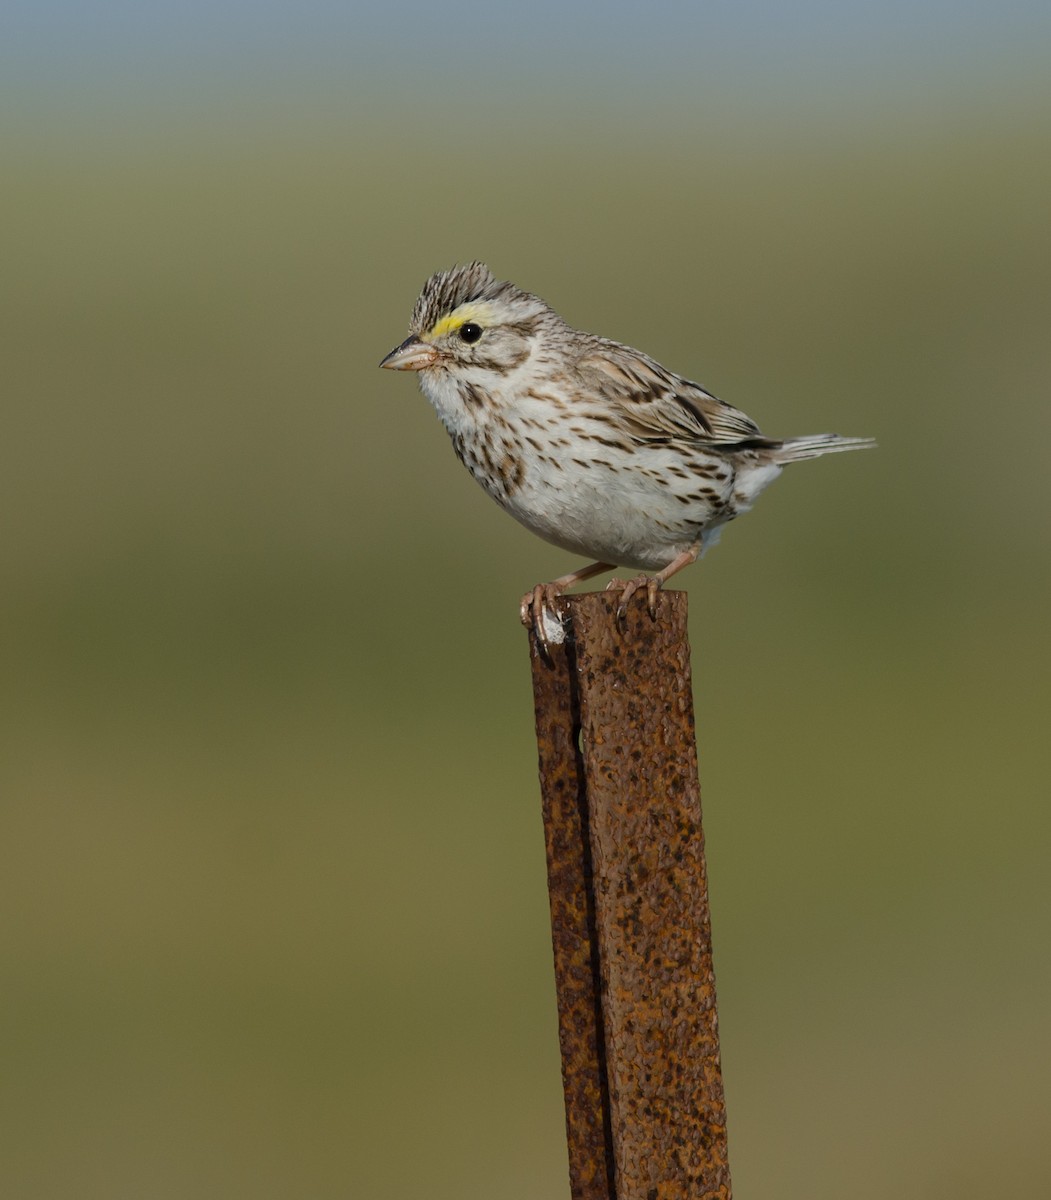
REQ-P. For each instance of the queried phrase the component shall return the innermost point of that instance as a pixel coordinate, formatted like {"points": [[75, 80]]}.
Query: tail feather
{"points": [[815, 444]]}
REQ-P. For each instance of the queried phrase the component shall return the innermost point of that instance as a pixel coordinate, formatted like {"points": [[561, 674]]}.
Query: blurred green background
{"points": [[274, 914]]}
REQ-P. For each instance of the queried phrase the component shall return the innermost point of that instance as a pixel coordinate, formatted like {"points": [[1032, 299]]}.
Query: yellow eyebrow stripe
{"points": [[479, 313]]}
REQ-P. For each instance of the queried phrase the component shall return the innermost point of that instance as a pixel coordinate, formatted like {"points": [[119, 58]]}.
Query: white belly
{"points": [[636, 506], [610, 511]]}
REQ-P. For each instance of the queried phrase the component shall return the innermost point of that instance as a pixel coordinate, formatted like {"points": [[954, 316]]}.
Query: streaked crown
{"points": [[465, 291]]}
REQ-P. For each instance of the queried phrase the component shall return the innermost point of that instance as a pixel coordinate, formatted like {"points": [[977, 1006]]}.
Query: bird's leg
{"points": [[653, 583], [531, 609]]}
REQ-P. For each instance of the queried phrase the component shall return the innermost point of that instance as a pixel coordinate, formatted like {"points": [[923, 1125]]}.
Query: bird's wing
{"points": [[658, 405]]}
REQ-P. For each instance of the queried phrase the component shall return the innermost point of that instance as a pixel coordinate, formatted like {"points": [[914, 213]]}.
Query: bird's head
{"points": [[468, 323]]}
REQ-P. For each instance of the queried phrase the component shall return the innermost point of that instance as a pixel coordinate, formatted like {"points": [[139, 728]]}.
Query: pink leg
{"points": [[543, 595], [653, 583]]}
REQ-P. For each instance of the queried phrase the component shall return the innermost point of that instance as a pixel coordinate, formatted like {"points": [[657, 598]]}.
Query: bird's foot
{"points": [[538, 613], [652, 584]]}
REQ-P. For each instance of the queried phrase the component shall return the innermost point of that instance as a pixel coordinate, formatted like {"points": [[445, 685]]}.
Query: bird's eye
{"points": [[470, 332]]}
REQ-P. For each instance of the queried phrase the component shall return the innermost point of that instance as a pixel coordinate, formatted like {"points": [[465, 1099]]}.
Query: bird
{"points": [[587, 442]]}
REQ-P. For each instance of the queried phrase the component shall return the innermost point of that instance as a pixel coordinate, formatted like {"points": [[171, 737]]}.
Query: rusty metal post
{"points": [[638, 1026]]}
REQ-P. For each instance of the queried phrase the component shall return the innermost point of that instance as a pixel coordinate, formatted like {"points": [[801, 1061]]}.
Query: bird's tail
{"points": [[815, 444]]}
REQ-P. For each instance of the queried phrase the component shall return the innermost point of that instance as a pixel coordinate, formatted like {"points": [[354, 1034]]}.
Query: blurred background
{"points": [[273, 910]]}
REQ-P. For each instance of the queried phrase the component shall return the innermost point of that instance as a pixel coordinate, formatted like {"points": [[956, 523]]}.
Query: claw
{"points": [[531, 612], [651, 583], [537, 610], [539, 596], [538, 607], [618, 585]]}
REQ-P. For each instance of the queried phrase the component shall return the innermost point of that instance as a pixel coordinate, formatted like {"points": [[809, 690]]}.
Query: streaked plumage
{"points": [[592, 445]]}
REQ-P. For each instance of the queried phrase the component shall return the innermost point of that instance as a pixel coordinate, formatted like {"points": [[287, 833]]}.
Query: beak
{"points": [[411, 355]]}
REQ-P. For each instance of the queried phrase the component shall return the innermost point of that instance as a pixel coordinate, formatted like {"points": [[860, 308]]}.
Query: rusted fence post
{"points": [[645, 1115]]}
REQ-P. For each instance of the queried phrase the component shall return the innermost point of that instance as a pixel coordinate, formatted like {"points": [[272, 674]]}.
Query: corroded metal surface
{"points": [[660, 1097], [573, 924], [658, 987]]}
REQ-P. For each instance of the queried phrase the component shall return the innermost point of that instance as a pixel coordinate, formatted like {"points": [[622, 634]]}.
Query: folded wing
{"points": [[657, 405]]}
